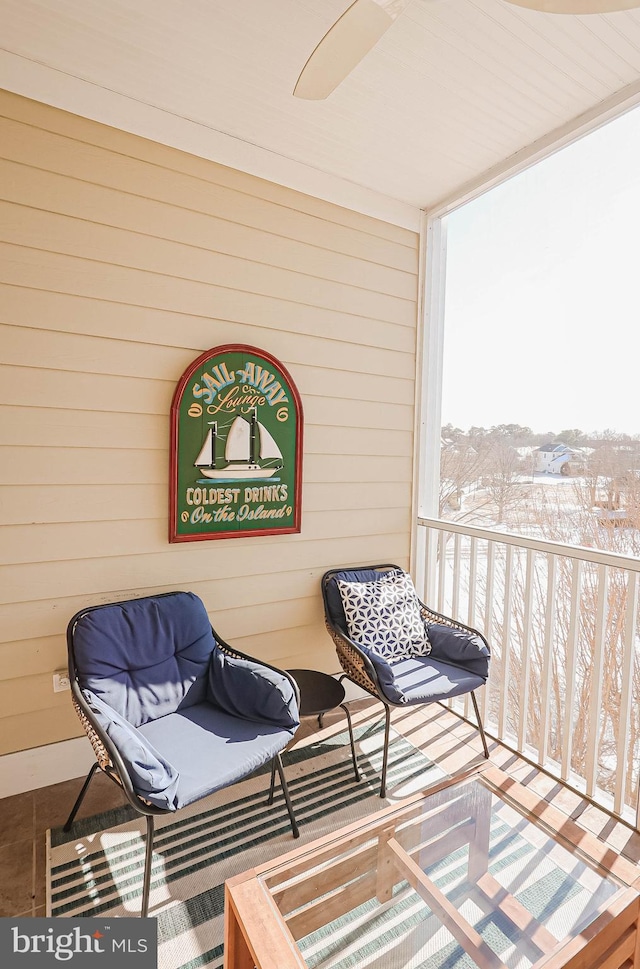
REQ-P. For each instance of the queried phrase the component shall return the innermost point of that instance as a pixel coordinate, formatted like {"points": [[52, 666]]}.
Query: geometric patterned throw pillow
{"points": [[384, 616]]}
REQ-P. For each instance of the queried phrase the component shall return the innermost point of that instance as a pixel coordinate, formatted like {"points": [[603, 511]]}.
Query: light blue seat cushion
{"points": [[458, 663], [210, 749], [423, 679]]}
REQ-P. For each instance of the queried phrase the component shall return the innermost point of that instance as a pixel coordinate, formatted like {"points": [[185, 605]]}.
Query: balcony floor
{"points": [[450, 741]]}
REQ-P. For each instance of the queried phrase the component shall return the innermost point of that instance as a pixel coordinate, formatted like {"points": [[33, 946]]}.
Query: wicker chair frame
{"points": [[110, 762], [358, 668]]}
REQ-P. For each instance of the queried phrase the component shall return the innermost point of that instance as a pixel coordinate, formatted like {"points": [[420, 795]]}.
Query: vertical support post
{"points": [[430, 358], [431, 564], [428, 386], [419, 570]]}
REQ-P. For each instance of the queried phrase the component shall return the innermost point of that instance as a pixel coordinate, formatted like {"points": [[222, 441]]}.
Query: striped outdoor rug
{"points": [[96, 869]]}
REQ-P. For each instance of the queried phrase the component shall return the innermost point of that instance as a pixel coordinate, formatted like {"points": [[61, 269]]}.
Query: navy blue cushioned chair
{"points": [[172, 712], [458, 661]]}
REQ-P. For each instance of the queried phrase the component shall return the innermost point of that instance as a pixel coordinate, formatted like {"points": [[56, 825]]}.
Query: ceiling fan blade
{"points": [[344, 45]]}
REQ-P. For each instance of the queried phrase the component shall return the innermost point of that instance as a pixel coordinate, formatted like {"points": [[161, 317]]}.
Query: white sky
{"points": [[542, 312]]}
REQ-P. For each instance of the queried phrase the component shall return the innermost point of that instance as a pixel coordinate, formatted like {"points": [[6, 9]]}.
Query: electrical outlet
{"points": [[61, 681]]}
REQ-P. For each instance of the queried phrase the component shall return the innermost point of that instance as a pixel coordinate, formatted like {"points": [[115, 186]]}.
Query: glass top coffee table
{"points": [[478, 871]]}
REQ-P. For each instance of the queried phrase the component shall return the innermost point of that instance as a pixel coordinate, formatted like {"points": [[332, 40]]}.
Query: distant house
{"points": [[557, 458]]}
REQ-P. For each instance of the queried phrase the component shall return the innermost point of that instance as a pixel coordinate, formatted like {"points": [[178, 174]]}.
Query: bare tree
{"points": [[503, 469], [460, 470]]}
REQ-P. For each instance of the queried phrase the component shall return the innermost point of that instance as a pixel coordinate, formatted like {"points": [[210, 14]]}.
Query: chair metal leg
{"points": [[272, 785], [277, 765], [480, 725], [385, 755], [80, 798], [356, 770], [146, 885]]}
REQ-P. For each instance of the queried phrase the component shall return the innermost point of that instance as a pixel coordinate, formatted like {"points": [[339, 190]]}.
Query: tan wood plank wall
{"points": [[121, 261]]}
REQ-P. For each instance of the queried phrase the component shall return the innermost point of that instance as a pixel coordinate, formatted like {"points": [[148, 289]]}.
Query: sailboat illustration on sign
{"points": [[248, 442]]}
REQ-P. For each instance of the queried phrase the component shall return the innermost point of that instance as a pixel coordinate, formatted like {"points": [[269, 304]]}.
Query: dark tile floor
{"points": [[450, 741], [24, 819]]}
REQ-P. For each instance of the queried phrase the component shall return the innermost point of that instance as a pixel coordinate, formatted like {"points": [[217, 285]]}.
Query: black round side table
{"points": [[320, 693]]}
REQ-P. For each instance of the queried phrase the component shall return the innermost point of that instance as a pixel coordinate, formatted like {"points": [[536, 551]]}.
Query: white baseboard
{"points": [[41, 766]]}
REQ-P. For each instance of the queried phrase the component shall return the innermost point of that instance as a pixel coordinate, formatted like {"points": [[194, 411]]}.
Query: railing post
{"points": [[526, 649], [595, 696], [455, 593], [570, 675], [442, 569], [488, 620], [547, 659], [506, 642], [626, 693], [471, 600]]}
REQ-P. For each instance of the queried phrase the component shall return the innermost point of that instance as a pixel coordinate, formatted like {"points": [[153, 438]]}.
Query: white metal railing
{"points": [[562, 623]]}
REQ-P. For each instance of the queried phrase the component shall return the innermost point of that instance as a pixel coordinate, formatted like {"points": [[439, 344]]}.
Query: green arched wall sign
{"points": [[236, 448]]}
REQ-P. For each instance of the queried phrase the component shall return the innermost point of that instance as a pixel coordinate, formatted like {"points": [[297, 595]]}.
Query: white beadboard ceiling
{"points": [[453, 90]]}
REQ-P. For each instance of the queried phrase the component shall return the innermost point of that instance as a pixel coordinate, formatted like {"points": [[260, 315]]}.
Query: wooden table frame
{"points": [[258, 935]]}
